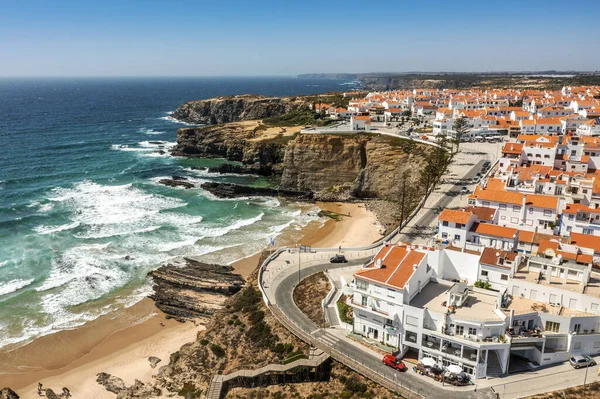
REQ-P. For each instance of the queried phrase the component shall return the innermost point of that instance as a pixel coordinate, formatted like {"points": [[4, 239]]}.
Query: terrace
{"points": [[477, 306]]}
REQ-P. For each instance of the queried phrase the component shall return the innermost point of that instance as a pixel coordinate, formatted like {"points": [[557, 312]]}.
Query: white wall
{"points": [[459, 265]]}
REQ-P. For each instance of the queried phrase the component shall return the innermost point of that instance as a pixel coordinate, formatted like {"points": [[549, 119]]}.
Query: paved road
{"points": [[422, 227], [285, 303]]}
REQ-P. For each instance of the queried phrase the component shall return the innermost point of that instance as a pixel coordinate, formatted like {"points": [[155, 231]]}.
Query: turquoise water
{"points": [[82, 216]]}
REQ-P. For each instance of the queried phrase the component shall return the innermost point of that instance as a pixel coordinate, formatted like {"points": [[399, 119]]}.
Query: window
{"points": [[459, 225], [530, 211], [445, 224], [444, 235], [484, 273], [577, 328], [472, 331], [516, 208], [389, 322], [391, 293], [571, 217], [514, 220], [552, 326], [363, 300], [459, 330], [457, 236], [376, 288], [503, 217], [485, 203], [504, 277], [502, 206], [361, 284]]}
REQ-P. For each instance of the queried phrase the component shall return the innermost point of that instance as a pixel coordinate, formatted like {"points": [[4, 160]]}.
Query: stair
{"points": [[494, 369]]}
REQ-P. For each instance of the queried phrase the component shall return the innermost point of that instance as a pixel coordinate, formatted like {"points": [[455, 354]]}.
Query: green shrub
{"points": [[189, 390], [217, 350], [344, 310], [483, 284], [204, 342]]}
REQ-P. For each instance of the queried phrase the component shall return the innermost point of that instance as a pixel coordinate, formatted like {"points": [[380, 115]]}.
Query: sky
{"points": [[285, 37]]}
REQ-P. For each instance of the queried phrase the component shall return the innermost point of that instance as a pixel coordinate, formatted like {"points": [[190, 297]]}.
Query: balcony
{"points": [[410, 337]]}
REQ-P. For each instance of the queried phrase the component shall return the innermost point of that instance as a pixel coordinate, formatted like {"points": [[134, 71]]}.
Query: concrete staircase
{"points": [[494, 368], [215, 389]]}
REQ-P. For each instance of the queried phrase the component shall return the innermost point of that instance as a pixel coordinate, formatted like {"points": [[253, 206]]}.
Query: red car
{"points": [[391, 361]]}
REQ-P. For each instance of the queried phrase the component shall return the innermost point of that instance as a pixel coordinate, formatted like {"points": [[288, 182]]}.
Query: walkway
{"points": [[215, 389]]}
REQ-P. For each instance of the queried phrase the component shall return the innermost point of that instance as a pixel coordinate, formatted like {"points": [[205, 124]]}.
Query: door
{"points": [[375, 334], [530, 325], [533, 295], [515, 291]]}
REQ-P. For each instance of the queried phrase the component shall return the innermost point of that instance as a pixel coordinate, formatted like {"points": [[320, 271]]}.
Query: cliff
{"points": [[260, 148], [338, 167], [234, 108]]}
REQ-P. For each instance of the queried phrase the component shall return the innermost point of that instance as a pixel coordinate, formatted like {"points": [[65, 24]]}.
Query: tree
{"points": [[461, 127], [435, 167], [406, 194]]}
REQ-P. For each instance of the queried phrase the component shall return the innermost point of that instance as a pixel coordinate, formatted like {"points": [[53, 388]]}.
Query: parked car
{"points": [[393, 362], [581, 361], [338, 259], [464, 190]]}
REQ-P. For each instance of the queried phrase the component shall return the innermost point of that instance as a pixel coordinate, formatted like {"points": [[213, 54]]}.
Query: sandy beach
{"points": [[121, 344]]}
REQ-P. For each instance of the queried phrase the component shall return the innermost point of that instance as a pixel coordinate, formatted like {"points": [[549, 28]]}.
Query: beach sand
{"points": [[121, 344]]}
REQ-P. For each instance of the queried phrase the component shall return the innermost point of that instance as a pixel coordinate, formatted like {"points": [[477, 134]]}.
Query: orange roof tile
{"points": [[396, 269], [508, 197], [541, 201], [487, 229], [455, 216]]}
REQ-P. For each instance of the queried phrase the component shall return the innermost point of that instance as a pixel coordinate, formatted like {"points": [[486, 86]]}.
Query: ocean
{"points": [[82, 215]]}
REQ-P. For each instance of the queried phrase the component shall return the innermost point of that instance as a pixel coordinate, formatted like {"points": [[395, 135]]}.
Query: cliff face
{"points": [[340, 167], [234, 109], [259, 148]]}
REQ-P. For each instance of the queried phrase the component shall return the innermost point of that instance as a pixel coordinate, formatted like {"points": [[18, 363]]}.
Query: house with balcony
{"points": [[482, 235], [383, 287], [455, 324], [540, 213], [497, 267], [508, 204], [579, 218]]}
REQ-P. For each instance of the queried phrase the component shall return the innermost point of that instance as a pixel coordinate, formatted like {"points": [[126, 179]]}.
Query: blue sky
{"points": [[221, 37]]}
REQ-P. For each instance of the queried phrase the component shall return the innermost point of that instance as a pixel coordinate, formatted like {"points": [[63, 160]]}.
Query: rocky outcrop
{"points": [[194, 289], [234, 142], [8, 393], [234, 108], [153, 361], [110, 382], [176, 183], [228, 168], [229, 190]]}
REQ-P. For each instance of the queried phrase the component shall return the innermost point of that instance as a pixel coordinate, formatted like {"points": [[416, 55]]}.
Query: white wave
{"points": [[4, 263], [212, 197], [221, 231], [170, 246], [13, 285], [33, 204], [106, 210], [126, 147], [171, 119], [55, 229], [271, 203], [151, 132], [155, 144], [206, 173]]}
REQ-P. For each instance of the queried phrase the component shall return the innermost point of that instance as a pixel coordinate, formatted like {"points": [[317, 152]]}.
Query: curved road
{"points": [[349, 354]]}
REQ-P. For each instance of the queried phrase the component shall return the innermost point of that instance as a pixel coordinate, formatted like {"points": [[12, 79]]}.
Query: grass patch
{"points": [[299, 117], [331, 215], [189, 390], [345, 310]]}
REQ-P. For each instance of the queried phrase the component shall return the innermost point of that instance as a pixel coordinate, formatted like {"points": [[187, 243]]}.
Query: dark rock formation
{"points": [[233, 109], [8, 393], [195, 290], [110, 382], [229, 190], [237, 169], [50, 394], [153, 361], [176, 183]]}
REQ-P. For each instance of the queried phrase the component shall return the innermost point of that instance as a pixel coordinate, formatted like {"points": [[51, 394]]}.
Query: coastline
{"points": [[121, 343]]}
